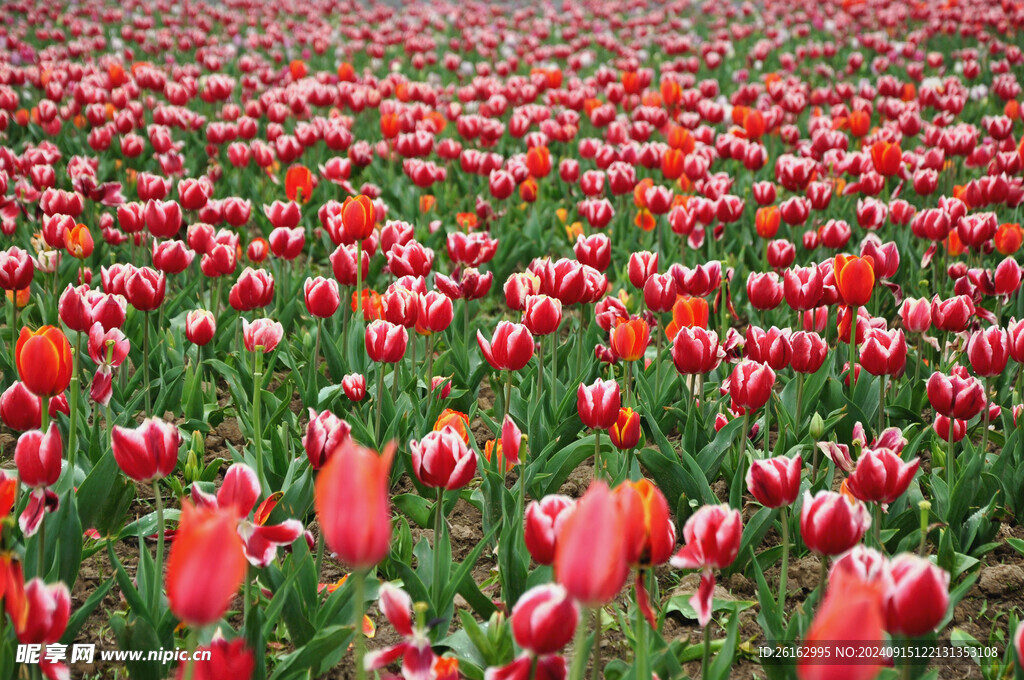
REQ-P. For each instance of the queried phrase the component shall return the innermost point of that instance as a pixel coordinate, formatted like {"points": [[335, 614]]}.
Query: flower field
{"points": [[512, 341]]}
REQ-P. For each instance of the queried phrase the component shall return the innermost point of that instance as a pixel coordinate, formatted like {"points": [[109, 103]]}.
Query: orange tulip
{"points": [[457, 419], [687, 312], [346, 72], [631, 82], [298, 69], [427, 203], [629, 338], [206, 565], [466, 221], [353, 503], [671, 92], [590, 553], [645, 220], [766, 221], [44, 361], [1008, 238], [672, 163], [19, 297], [855, 278], [78, 241], [538, 161], [389, 125], [852, 611], [493, 448], [358, 217], [651, 536], [12, 590], [298, 184], [528, 190], [858, 122], [681, 138], [887, 158], [373, 305], [8, 491], [753, 124], [640, 192]]}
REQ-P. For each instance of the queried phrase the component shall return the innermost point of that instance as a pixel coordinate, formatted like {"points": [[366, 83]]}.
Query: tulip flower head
{"points": [[711, 540]]}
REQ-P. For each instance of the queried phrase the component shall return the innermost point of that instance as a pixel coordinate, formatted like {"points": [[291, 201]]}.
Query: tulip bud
{"points": [[817, 426], [625, 433]]}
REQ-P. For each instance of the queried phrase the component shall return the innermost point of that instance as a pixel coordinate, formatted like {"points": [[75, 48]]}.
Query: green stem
{"points": [[924, 507], [508, 392], [380, 398], [436, 586], [44, 414], [73, 423], [597, 454], [640, 653], [40, 568], [657, 364], [578, 669], [192, 644], [799, 400], [145, 361], [783, 572], [877, 521], [768, 427], [595, 671], [881, 405], [984, 433], [705, 666], [358, 582], [540, 369], [823, 575], [319, 553], [853, 350], [950, 463], [257, 425], [12, 316], [316, 354], [359, 283], [159, 542]]}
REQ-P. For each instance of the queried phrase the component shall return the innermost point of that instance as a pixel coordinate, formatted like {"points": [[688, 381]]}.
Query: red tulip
{"points": [[544, 619], [145, 288], [629, 338], [385, 341], [20, 409], [261, 335], [590, 553], [957, 395], [542, 314], [38, 457], [711, 540], [641, 266], [649, 528], [16, 269], [809, 351], [952, 315], [322, 296], [287, 243], [324, 434], [441, 460], [354, 386], [598, 404], [886, 157], [884, 352], [750, 385], [832, 523], [163, 218], [352, 503], [226, 659], [916, 315], [770, 347], [206, 565], [200, 325], [989, 350], [696, 351], [358, 217], [543, 522], [510, 348], [434, 312], [146, 452], [881, 476], [918, 597], [775, 482]]}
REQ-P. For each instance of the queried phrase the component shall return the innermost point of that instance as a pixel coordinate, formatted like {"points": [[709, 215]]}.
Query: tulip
{"points": [[918, 597], [629, 339], [324, 434], [649, 528], [625, 433], [19, 408], [543, 521], [544, 619], [145, 288], [441, 460], [884, 352], [775, 482], [262, 335], [641, 266], [696, 351], [225, 659], [354, 386], [750, 385], [952, 315], [887, 158], [41, 619], [855, 278], [172, 257], [542, 314], [385, 341], [352, 503], [598, 404], [687, 312], [770, 347], [322, 297], [803, 288], [200, 325], [957, 395], [832, 523], [852, 610], [38, 457], [510, 347], [989, 351], [809, 352], [147, 452], [418, 659], [916, 315], [881, 476], [590, 553], [44, 361], [711, 540], [764, 291], [16, 269], [206, 565], [434, 312]]}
